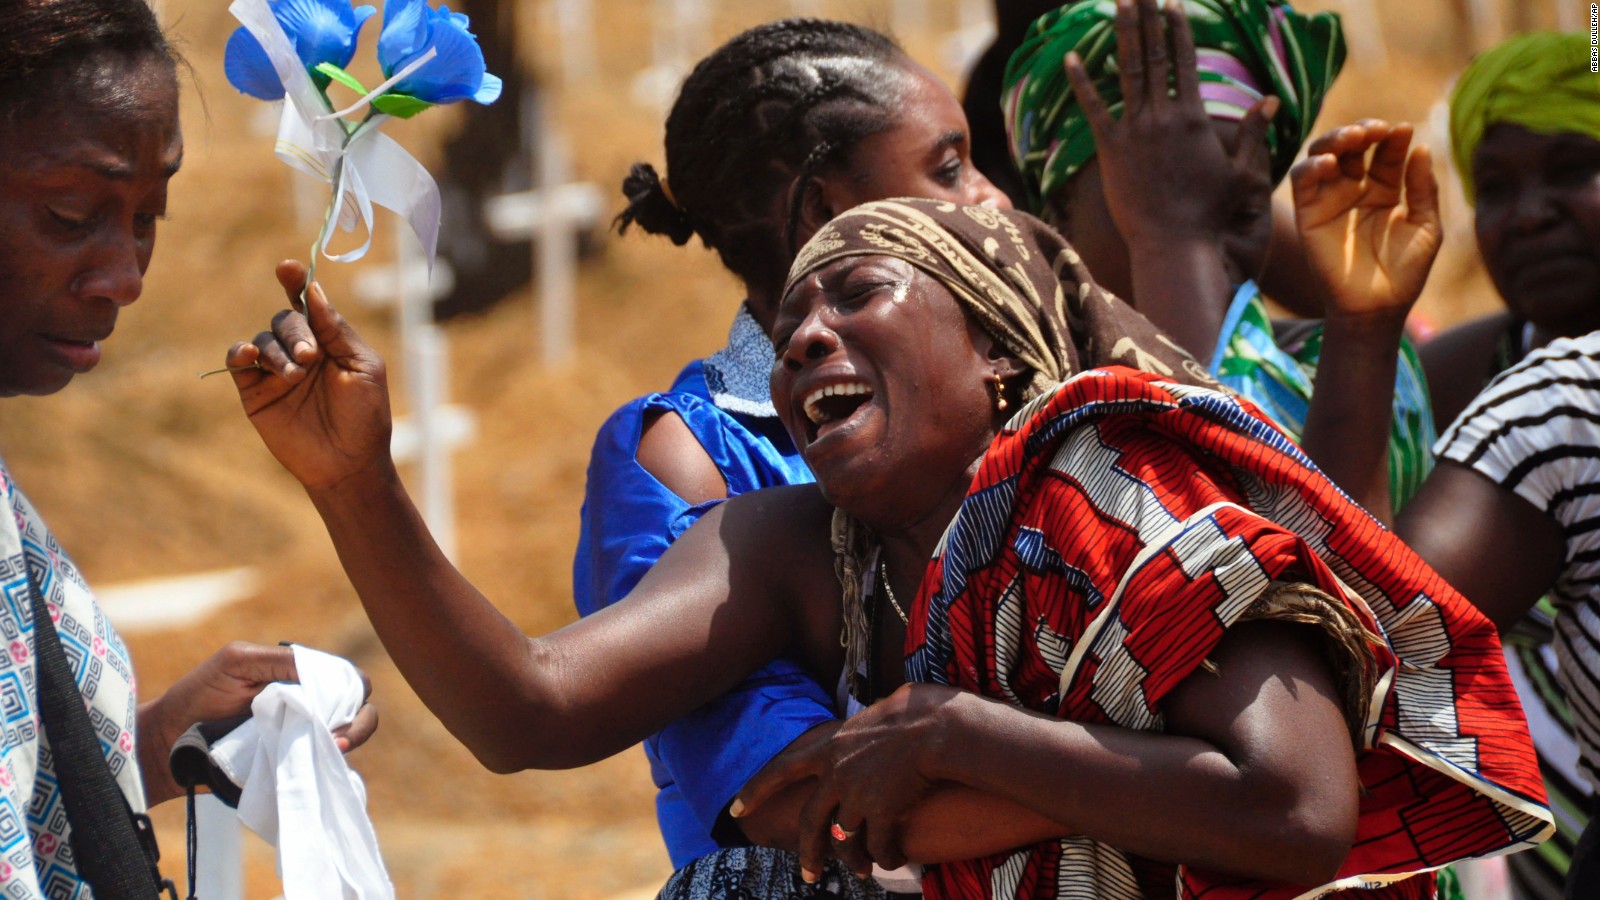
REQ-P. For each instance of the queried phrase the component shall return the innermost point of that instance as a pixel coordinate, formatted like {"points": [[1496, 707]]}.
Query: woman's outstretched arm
{"points": [[319, 401]]}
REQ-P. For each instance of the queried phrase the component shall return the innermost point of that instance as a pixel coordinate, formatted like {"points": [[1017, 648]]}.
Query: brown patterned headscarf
{"points": [[1019, 278], [1027, 288]]}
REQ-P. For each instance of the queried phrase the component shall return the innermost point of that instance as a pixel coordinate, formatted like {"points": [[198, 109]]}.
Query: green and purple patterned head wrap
{"points": [[1245, 49]]}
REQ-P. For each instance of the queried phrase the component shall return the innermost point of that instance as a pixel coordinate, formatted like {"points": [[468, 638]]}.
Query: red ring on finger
{"points": [[839, 834]]}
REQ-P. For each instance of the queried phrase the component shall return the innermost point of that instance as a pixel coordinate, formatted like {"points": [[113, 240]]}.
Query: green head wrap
{"points": [[1541, 81], [1245, 49]]}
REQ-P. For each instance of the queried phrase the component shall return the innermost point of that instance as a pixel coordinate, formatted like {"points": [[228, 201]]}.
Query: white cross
{"points": [[433, 427], [551, 215], [574, 27], [1365, 30], [975, 31], [680, 26], [909, 16]]}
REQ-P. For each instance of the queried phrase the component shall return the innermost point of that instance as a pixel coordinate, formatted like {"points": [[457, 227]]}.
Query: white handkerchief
{"points": [[298, 792]]}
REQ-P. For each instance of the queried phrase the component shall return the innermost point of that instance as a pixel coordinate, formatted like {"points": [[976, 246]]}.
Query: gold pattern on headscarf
{"points": [[986, 216], [821, 244], [1142, 360], [1020, 298], [1192, 366], [895, 240]]}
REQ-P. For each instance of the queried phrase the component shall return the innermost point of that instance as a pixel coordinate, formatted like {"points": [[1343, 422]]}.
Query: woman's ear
{"points": [[814, 210], [1006, 366]]}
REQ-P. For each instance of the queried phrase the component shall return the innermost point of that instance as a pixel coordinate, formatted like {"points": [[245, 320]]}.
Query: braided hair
{"points": [[46, 44], [753, 124]]}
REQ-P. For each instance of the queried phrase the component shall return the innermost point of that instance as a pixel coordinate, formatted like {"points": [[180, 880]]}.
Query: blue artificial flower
{"points": [[457, 73], [322, 31]]}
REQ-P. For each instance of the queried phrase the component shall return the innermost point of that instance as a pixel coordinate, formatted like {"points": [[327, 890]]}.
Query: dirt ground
{"points": [[145, 471]]}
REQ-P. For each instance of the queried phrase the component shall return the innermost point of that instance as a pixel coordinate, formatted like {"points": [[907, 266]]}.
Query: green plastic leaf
{"points": [[341, 76], [401, 106]]}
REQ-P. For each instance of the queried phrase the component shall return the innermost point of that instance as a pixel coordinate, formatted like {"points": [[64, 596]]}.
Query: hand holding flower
{"points": [[315, 392]]}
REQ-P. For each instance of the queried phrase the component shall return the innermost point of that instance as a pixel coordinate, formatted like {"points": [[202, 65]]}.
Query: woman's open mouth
{"points": [[829, 406]]}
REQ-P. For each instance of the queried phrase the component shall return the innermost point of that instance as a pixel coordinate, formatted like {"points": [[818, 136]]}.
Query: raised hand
{"points": [[1166, 171], [1181, 197], [315, 392], [1367, 207]]}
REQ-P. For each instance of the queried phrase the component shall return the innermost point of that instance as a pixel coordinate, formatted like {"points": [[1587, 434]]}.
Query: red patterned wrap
{"points": [[1116, 528]]}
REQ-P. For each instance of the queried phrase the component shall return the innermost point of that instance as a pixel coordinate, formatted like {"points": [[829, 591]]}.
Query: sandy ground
{"points": [[145, 471]]}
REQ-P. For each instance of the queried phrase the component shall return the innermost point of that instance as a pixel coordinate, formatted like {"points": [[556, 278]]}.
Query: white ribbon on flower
{"points": [[365, 168]]}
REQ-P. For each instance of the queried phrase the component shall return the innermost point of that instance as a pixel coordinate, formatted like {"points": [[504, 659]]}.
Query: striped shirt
{"points": [[1535, 430]]}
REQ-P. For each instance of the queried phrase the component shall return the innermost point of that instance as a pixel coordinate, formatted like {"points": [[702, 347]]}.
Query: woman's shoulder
{"points": [[796, 510], [777, 541], [748, 452], [621, 431], [1558, 379], [1576, 355], [1460, 360], [777, 526], [1554, 392], [681, 397], [1535, 428], [1472, 341]]}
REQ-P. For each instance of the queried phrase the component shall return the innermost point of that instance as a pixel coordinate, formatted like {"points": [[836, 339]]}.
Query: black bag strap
{"points": [[115, 848]]}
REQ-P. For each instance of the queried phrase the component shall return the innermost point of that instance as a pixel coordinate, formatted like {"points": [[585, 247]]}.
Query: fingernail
{"points": [[301, 348], [736, 808], [808, 876]]}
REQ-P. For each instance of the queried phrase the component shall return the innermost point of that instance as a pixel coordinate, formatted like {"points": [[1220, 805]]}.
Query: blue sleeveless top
{"points": [[629, 519]]}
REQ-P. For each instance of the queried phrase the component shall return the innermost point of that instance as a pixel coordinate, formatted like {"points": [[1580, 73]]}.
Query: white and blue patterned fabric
{"points": [[35, 855]]}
